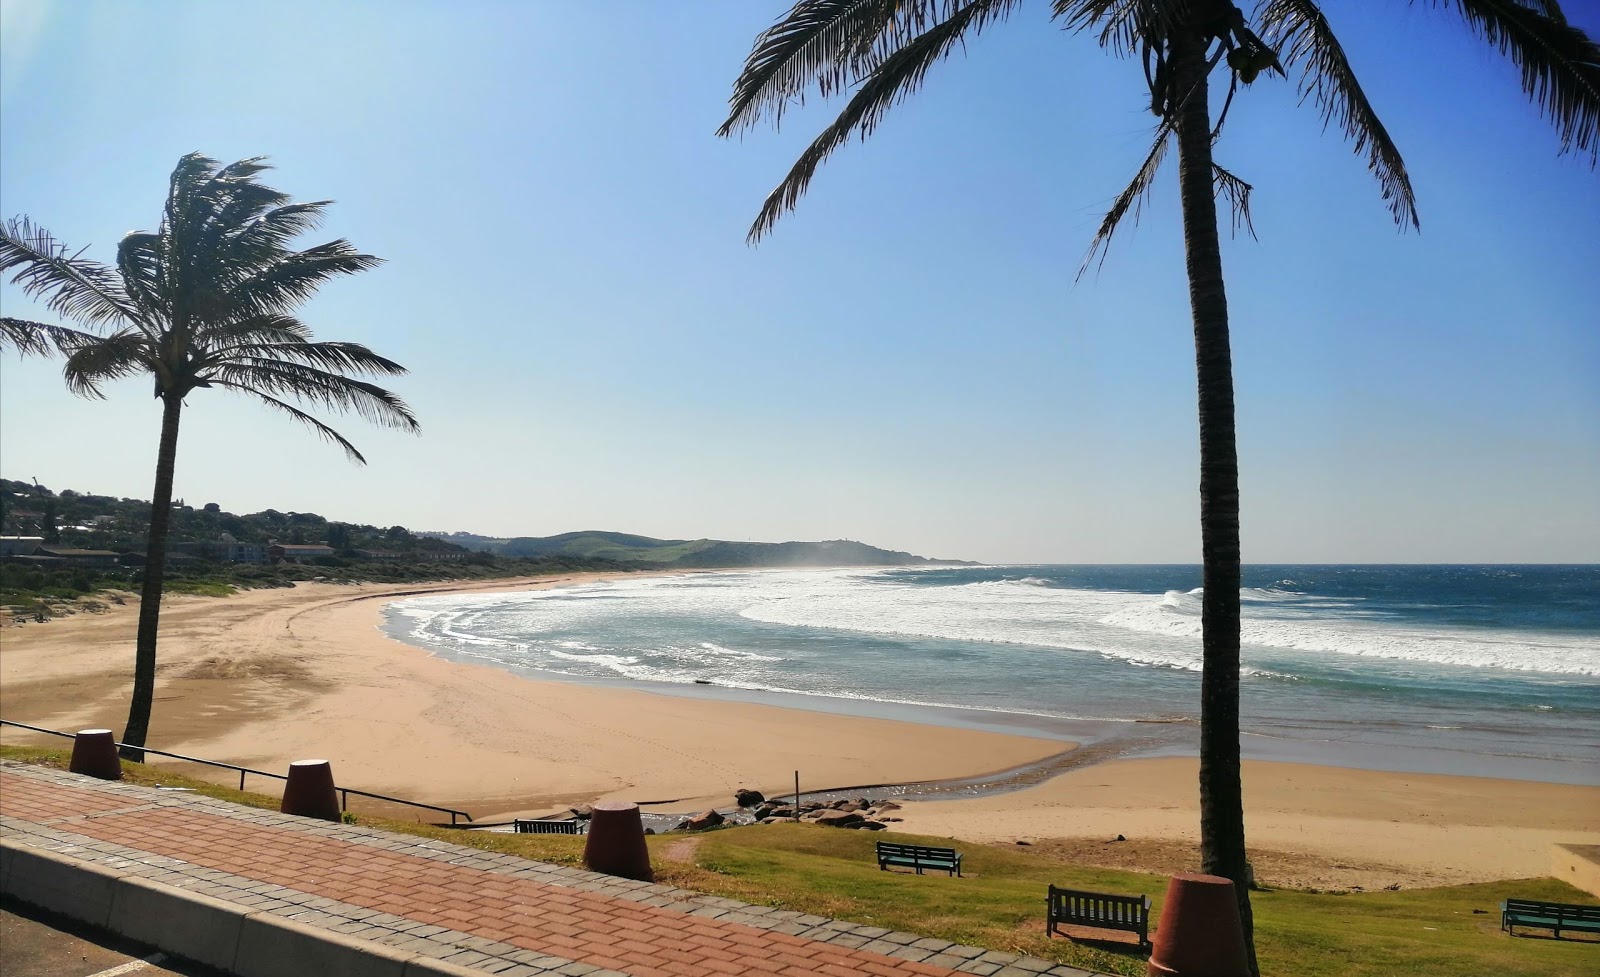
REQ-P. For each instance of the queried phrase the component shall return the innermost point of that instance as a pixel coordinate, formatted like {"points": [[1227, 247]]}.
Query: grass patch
{"points": [[200, 588], [1445, 932]]}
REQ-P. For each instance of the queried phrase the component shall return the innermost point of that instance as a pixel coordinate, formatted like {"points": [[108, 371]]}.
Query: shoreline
{"points": [[265, 677]]}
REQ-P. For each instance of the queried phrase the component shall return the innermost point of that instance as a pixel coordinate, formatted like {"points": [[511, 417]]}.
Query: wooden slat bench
{"points": [[1556, 916], [539, 826], [1098, 909], [918, 857]]}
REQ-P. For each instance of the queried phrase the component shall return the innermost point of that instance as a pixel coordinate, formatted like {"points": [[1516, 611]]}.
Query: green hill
{"points": [[646, 551]]}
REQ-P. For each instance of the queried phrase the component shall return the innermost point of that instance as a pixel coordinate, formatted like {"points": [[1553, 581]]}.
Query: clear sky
{"points": [[907, 360]]}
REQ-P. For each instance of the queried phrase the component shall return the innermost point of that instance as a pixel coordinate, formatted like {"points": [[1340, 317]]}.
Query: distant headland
{"points": [[690, 553]]}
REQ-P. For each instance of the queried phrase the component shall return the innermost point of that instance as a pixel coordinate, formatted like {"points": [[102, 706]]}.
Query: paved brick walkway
{"points": [[495, 913]]}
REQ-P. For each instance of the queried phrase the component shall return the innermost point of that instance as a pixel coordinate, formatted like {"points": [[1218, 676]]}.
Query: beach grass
{"points": [[1451, 931]]}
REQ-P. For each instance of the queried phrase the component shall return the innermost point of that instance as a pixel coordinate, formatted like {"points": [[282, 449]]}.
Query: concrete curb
{"points": [[219, 934]]}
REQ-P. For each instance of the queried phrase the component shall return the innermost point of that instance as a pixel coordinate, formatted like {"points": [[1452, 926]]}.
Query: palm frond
{"points": [[826, 43], [139, 264], [1560, 64], [274, 327], [1550, 8], [331, 356], [1237, 193], [1131, 198], [331, 390], [1124, 25], [895, 77], [31, 338], [1302, 36], [84, 291], [295, 277], [122, 354], [328, 433]]}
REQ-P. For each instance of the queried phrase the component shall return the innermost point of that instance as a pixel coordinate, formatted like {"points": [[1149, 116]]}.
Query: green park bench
{"points": [[1098, 909], [1556, 916], [918, 857]]}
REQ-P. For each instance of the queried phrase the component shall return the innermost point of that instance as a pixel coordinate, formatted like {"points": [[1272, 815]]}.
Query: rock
{"points": [[777, 813], [649, 831], [862, 803], [582, 812], [1025, 844], [842, 804], [888, 806], [891, 820], [704, 820], [1121, 838], [839, 819], [748, 798], [682, 826], [1392, 888], [873, 826]]}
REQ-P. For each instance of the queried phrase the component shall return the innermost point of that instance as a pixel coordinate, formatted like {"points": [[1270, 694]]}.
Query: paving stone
{"points": [[332, 877]]}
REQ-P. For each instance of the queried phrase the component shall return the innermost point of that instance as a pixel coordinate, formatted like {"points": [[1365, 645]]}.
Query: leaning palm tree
{"points": [[203, 302], [881, 50]]}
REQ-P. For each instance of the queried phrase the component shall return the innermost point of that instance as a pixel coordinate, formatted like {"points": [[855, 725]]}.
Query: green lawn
{"points": [[1000, 903]]}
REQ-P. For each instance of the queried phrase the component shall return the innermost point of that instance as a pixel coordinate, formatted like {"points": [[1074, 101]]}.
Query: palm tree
{"points": [[203, 302], [881, 50]]}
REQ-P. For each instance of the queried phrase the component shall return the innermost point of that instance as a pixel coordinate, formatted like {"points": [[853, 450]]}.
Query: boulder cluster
{"points": [[862, 813]]}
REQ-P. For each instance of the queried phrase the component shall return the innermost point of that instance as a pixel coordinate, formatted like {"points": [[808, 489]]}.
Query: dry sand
{"points": [[1307, 826], [272, 676]]}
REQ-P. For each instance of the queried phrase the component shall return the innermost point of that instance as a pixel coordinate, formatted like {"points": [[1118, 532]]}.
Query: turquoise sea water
{"points": [[1461, 669]]}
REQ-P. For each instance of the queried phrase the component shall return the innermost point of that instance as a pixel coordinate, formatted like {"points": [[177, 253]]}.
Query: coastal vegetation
{"points": [[1450, 931], [692, 553], [880, 51], [195, 560], [206, 301]]}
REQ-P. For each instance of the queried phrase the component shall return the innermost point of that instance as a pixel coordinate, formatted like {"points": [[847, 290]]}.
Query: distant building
{"points": [[246, 552], [77, 557], [20, 545], [224, 550], [385, 556], [297, 552]]}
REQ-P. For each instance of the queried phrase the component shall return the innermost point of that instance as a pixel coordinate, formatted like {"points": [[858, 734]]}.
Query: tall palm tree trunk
{"points": [[1222, 849], [155, 568]]}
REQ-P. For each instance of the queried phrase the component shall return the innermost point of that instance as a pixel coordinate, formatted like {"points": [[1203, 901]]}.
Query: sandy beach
{"points": [[266, 677]]}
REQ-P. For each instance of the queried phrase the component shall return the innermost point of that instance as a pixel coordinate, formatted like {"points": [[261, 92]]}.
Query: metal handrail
{"points": [[344, 792]]}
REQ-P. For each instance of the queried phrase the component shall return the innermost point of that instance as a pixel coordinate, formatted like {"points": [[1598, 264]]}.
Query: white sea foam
{"points": [[1141, 629]]}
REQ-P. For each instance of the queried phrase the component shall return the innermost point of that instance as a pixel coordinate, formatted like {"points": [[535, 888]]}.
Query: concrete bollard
{"points": [[1199, 934], [94, 754], [616, 842], [310, 792]]}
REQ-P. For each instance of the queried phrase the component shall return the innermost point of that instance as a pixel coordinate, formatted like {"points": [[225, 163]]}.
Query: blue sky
{"points": [[907, 360]]}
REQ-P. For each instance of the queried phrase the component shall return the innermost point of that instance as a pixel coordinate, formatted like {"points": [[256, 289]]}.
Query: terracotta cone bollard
{"points": [[616, 842], [1199, 934], [94, 754], [309, 792]]}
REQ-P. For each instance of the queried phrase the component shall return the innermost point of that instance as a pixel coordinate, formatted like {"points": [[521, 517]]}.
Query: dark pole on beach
{"points": [[797, 795]]}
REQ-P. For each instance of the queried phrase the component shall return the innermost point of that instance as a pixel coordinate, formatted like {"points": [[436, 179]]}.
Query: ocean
{"points": [[1486, 670]]}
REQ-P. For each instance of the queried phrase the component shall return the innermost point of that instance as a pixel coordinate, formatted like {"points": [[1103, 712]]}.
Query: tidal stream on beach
{"points": [[1480, 670]]}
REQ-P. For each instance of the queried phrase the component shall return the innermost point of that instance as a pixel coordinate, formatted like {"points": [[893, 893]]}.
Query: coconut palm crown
{"points": [[878, 52], [205, 301]]}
